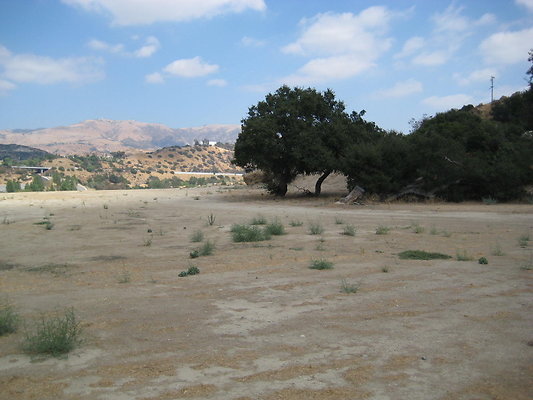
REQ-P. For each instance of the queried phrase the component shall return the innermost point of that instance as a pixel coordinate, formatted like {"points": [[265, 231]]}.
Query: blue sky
{"points": [[188, 63]]}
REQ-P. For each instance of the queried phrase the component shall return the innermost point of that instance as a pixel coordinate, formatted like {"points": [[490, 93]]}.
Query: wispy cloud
{"points": [[129, 12], [526, 3], [217, 82], [31, 68], [6, 86], [156, 77], [479, 75], [507, 47], [401, 89], [340, 45], [439, 103], [151, 45], [251, 42]]}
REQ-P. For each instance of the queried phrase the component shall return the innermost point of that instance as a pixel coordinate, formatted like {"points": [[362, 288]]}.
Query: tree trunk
{"points": [[353, 195], [318, 185]]}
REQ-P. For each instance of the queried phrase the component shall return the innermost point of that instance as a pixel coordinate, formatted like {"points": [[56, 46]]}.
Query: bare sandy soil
{"points": [[257, 323]]}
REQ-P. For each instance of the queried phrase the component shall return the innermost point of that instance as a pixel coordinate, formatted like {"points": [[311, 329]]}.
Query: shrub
{"points": [[259, 220], [295, 223], [349, 230], [315, 228], [349, 288], [462, 256], [339, 221], [247, 233], [275, 228], [193, 270], [321, 264], [211, 218], [207, 248], [55, 336], [197, 236], [9, 319], [483, 260], [382, 230], [422, 255]]}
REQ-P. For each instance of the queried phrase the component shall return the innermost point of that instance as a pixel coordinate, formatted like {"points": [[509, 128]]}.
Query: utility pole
{"points": [[491, 89]]}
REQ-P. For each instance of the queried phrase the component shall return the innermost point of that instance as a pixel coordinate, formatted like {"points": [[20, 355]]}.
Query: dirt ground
{"points": [[257, 322]]}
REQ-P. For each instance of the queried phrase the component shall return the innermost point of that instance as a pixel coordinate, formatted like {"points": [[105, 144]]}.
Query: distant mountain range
{"points": [[104, 136]]}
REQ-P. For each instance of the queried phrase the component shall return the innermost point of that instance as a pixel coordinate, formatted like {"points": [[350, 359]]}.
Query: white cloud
{"points": [[103, 46], [46, 70], [142, 12], [321, 70], [6, 86], [507, 47], [190, 68], [341, 45], [526, 3], [251, 42], [401, 89], [411, 45], [156, 77], [217, 82], [434, 58], [452, 20], [479, 75], [150, 47], [446, 102]]}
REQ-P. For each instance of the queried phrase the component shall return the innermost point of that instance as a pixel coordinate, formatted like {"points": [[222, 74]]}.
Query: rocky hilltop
{"points": [[103, 136]]}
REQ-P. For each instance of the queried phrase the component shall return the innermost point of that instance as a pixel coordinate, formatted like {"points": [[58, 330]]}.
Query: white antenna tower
{"points": [[492, 89]]}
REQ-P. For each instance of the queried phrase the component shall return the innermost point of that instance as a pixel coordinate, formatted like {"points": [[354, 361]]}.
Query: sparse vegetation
{"points": [[124, 277], [422, 255], [315, 228], [523, 240], [197, 236], [259, 220], [9, 319], [54, 335], [205, 250], [321, 264], [462, 255], [483, 260], [382, 230], [385, 269], [211, 218], [275, 228], [295, 223], [248, 233], [339, 221], [418, 229], [497, 250], [349, 288], [349, 230]]}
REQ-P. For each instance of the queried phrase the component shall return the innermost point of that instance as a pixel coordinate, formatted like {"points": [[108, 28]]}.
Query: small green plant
{"points": [[349, 230], [148, 241], [196, 197], [382, 230], [315, 228], [211, 218], [418, 229], [497, 250], [523, 240], [6, 221], [124, 277], [296, 223], [194, 254], [321, 264], [433, 230], [55, 335], [483, 260], [106, 206], [489, 200], [207, 248], [259, 220], [339, 221], [248, 233], [385, 269], [275, 228], [349, 288], [197, 236], [9, 319], [49, 225], [193, 270], [463, 256], [422, 255]]}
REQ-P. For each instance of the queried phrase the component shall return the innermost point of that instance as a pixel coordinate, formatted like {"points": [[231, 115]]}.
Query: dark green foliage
{"points": [[483, 260], [293, 131], [55, 336], [13, 186], [91, 163], [422, 255], [275, 228], [36, 185], [193, 270], [14, 154], [107, 182], [64, 183]]}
